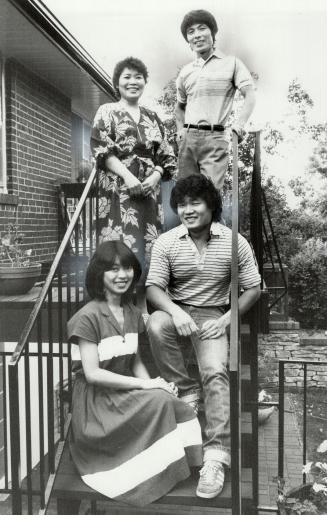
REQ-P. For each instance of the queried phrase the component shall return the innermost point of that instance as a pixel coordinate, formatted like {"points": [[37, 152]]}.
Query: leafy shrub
{"points": [[308, 284]]}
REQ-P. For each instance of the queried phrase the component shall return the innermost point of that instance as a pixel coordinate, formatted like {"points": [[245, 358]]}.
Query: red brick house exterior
{"points": [[50, 88], [38, 134]]}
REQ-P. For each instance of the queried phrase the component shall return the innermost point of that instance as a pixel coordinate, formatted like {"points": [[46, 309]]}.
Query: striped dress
{"points": [[130, 445]]}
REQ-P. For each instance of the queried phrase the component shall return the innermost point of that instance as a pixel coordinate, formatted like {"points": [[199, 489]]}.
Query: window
{"points": [[3, 167], [81, 152]]}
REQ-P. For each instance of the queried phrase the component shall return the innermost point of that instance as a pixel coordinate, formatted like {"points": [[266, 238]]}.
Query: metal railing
{"points": [[278, 294], [235, 336], [38, 417], [304, 366], [37, 406]]}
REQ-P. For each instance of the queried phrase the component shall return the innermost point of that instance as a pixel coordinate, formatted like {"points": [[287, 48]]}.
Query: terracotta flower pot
{"points": [[16, 280]]}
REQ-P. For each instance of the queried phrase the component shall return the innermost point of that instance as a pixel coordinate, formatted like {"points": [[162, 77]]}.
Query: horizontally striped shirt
{"points": [[208, 88], [200, 279]]}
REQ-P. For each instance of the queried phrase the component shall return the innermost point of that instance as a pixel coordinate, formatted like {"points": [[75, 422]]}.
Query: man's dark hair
{"points": [[133, 64], [197, 186], [104, 259], [199, 16]]}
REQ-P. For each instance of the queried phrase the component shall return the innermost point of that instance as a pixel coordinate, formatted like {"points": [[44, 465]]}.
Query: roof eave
{"points": [[38, 14]]}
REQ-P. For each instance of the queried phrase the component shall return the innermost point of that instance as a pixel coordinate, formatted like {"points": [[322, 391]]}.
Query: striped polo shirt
{"points": [[208, 88], [200, 279]]}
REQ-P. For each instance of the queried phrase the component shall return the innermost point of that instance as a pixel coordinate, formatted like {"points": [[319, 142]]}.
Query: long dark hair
{"points": [[104, 259]]}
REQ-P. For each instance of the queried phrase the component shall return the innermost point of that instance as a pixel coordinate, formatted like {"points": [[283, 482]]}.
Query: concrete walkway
{"points": [[268, 455]]}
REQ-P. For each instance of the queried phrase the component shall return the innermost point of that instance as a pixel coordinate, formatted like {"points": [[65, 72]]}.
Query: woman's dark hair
{"points": [[197, 186], [133, 64], [102, 260]]}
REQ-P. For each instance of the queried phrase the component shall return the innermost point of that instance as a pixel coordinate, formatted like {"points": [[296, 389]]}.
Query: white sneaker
{"points": [[211, 482]]}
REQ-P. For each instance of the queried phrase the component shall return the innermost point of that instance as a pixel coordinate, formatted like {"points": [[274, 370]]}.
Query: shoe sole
{"points": [[208, 496]]}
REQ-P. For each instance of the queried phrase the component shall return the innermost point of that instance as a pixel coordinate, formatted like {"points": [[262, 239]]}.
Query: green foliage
{"points": [[168, 101], [11, 250], [293, 227], [308, 284]]}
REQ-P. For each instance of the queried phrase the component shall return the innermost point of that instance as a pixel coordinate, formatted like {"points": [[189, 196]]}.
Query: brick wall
{"points": [[38, 156]]}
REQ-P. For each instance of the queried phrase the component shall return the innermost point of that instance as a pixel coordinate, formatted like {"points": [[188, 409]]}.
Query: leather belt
{"points": [[200, 127]]}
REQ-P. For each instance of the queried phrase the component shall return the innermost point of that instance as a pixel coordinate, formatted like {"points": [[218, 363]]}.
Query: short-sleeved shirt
{"points": [[208, 88], [200, 279], [95, 323]]}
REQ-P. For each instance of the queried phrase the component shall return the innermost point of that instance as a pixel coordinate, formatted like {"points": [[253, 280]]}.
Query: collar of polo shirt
{"points": [[217, 53], [215, 230]]}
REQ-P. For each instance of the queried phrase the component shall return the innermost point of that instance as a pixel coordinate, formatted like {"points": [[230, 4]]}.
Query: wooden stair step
{"points": [[69, 485]]}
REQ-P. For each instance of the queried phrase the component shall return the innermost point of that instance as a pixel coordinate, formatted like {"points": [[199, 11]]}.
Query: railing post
{"points": [[304, 433], [281, 420], [256, 205], [234, 349], [15, 439]]}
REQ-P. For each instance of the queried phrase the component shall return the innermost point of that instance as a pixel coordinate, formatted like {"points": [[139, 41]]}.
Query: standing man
{"points": [[189, 283], [205, 92]]}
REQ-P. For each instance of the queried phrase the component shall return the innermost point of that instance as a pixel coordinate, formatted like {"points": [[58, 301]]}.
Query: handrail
{"points": [[281, 402], [43, 293], [235, 393], [279, 260], [234, 326]]}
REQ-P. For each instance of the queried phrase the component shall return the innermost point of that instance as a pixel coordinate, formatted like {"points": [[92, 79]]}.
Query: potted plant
{"points": [[310, 498], [17, 273]]}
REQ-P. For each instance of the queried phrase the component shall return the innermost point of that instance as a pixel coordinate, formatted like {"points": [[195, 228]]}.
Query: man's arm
{"points": [[180, 115], [215, 328], [184, 324], [248, 105]]}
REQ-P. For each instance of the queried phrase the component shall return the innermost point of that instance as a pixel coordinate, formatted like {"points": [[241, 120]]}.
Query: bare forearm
{"points": [[107, 379], [245, 302], [248, 105], [160, 300], [180, 116], [139, 369], [116, 166]]}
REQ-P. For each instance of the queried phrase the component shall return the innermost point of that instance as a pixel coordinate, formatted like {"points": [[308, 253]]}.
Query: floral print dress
{"points": [[140, 147]]}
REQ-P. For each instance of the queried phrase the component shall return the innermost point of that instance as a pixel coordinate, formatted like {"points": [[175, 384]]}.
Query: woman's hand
{"points": [[160, 383], [133, 185], [151, 182]]}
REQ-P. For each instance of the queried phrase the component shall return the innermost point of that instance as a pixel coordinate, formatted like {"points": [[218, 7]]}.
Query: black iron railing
{"points": [[39, 371], [303, 365], [274, 270], [39, 416], [236, 347], [235, 350]]}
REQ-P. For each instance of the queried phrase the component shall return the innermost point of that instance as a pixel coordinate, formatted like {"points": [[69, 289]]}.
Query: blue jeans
{"points": [[205, 152], [212, 359]]}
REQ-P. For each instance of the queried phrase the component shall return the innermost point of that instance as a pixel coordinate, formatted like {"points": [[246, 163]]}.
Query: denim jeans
{"points": [[212, 360], [205, 152]]}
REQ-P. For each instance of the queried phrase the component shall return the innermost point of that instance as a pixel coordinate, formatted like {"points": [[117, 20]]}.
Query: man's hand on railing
{"points": [[239, 131]]}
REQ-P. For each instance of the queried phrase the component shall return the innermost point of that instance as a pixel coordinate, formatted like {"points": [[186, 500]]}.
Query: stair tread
{"points": [[68, 484]]}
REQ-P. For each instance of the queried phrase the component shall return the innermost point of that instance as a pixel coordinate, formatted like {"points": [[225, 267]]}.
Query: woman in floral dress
{"points": [[133, 155]]}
